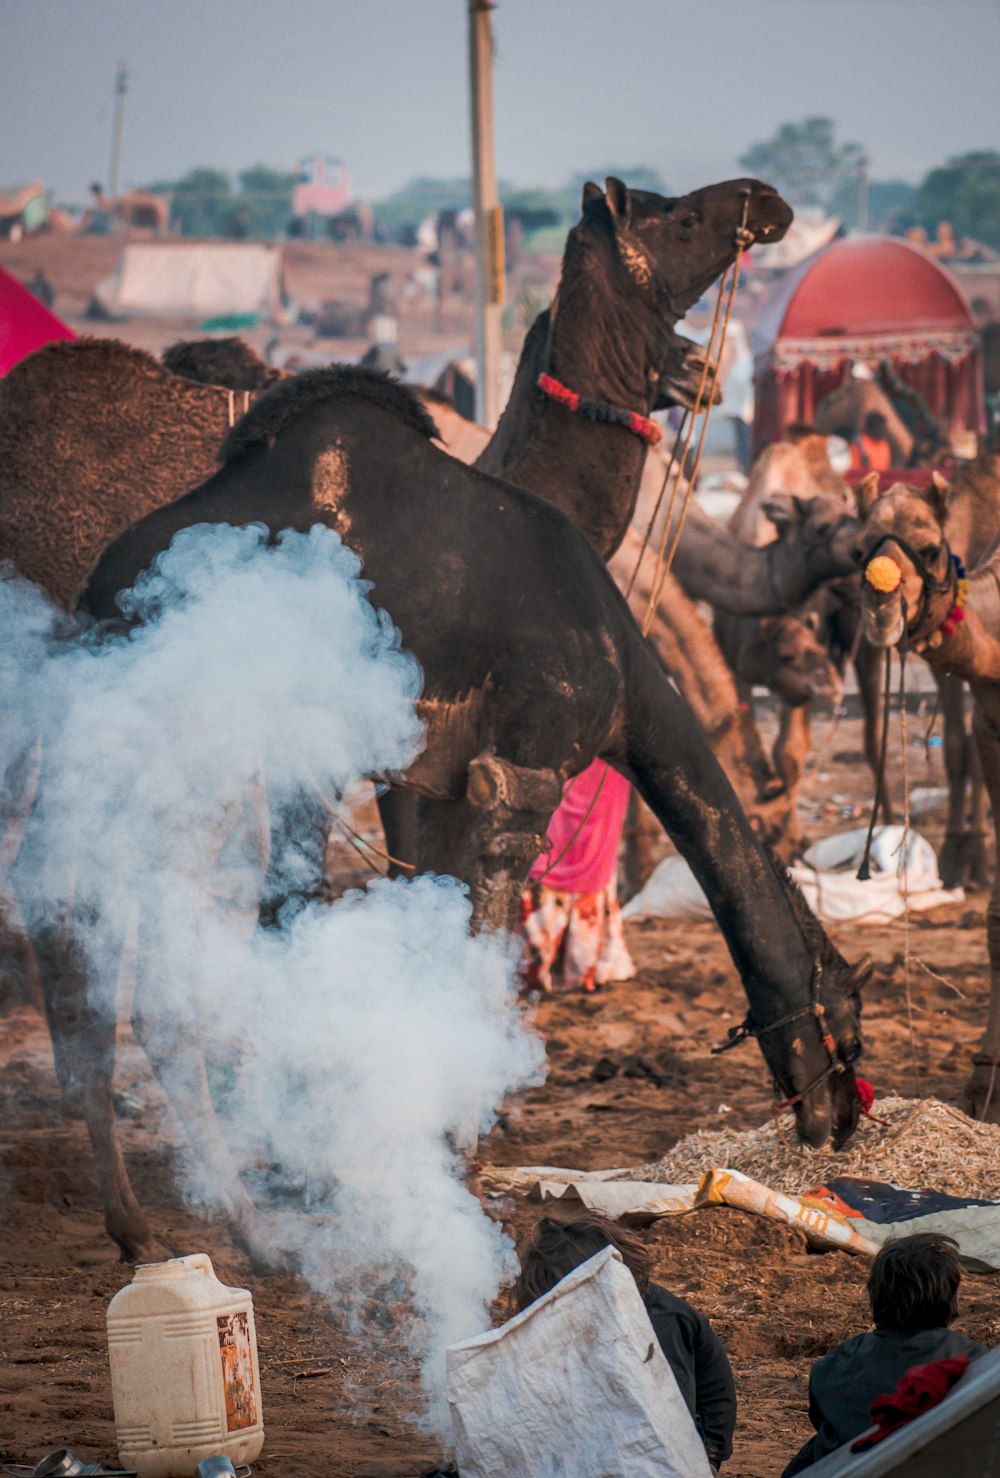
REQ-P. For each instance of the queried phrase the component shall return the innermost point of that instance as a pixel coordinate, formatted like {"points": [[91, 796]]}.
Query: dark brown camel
{"points": [[533, 667]]}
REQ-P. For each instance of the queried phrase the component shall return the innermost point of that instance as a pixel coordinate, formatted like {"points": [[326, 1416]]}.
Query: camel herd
{"points": [[502, 575]]}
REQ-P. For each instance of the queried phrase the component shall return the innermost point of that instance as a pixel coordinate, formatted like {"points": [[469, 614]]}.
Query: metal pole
{"points": [[488, 213], [114, 172], [863, 193]]}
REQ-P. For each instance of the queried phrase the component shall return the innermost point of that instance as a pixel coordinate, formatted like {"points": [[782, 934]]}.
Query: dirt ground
{"points": [[776, 1305]]}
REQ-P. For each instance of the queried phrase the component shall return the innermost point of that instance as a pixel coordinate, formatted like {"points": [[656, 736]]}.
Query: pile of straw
{"points": [[924, 1145]]}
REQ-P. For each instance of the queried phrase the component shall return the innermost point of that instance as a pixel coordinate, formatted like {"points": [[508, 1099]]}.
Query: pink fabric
{"points": [[25, 323], [591, 857]]}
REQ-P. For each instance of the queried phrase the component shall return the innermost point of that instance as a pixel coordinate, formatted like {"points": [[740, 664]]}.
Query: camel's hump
{"points": [[286, 402]]}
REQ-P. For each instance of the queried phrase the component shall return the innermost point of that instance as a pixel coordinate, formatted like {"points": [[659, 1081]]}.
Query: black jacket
{"points": [[701, 1367], [843, 1385]]}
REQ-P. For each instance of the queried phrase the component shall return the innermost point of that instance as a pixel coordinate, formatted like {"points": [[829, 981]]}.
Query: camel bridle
{"points": [[930, 584], [814, 1010]]}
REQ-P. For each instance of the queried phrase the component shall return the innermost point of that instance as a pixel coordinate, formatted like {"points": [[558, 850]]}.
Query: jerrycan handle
{"points": [[198, 1262]]}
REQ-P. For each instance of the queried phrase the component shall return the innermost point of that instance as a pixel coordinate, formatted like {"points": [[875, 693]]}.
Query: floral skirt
{"points": [[572, 941]]}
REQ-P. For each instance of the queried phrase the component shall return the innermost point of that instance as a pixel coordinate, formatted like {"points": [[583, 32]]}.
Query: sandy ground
{"points": [[776, 1305]]}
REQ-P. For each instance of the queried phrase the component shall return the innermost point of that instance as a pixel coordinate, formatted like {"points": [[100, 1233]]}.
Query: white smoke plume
{"points": [[372, 1034]]}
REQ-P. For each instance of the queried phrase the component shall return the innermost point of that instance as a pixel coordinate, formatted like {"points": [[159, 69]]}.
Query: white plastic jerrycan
{"points": [[184, 1374]]}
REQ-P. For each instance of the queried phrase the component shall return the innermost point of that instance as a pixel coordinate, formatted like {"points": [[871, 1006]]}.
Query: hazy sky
{"points": [[683, 85]]}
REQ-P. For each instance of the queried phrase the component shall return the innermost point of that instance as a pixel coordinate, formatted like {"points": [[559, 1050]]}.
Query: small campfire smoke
{"points": [[371, 1035]]}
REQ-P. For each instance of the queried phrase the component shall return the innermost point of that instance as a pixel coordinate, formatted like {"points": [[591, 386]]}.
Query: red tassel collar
{"points": [[599, 410]]}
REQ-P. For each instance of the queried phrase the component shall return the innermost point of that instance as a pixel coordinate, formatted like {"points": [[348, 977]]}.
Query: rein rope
{"points": [[815, 1009], [665, 558]]}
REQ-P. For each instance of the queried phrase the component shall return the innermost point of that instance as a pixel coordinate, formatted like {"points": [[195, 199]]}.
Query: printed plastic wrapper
{"points": [[576, 1384]]}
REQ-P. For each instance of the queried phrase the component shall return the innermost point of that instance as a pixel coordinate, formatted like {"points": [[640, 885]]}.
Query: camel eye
{"points": [[930, 552], [689, 222]]}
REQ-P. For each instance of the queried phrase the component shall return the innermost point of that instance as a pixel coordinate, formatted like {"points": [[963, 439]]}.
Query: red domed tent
{"points": [[866, 300], [25, 323]]}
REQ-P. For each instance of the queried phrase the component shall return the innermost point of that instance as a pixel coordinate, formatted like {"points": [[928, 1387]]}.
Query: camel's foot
{"points": [[136, 1242], [964, 861], [981, 1094]]}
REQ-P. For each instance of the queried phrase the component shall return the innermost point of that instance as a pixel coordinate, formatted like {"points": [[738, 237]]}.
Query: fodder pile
{"points": [[924, 1144]]}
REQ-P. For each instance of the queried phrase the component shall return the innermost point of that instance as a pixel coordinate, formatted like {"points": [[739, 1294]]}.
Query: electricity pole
{"points": [[863, 193], [114, 172], [488, 213]]}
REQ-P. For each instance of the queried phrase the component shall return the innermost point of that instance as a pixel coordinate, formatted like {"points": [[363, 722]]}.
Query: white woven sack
{"points": [[575, 1386]]}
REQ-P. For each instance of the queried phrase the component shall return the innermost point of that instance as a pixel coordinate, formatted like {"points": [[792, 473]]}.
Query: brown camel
{"points": [[93, 434], [913, 583]]}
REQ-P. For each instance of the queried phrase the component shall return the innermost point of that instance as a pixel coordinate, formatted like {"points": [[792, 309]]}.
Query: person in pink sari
{"points": [[569, 919]]}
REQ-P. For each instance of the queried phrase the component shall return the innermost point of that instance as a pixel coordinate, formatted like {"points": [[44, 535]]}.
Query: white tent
{"points": [[196, 281]]}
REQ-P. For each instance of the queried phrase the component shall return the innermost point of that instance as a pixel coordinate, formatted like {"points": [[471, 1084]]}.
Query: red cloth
{"points": [[917, 1391], [25, 323], [591, 858]]}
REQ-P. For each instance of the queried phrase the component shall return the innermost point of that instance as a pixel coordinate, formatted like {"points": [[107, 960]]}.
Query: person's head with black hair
{"points": [[557, 1246], [876, 426], [913, 1283]]}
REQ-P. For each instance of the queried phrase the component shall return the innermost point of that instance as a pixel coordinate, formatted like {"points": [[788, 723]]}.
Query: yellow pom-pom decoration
{"points": [[883, 573]]}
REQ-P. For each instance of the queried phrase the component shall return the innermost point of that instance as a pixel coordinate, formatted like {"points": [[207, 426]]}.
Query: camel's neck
{"points": [[743, 579], [682, 782], [605, 343], [972, 653]]}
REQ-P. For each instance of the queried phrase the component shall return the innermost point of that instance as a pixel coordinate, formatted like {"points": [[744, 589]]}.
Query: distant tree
{"points": [[199, 201], [890, 204], [965, 192], [264, 202], [804, 161]]}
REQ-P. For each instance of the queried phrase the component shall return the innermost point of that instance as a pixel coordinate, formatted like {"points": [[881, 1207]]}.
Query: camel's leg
{"points": [[979, 874], [83, 1023], [791, 750], [15, 946], [956, 759], [491, 836], [869, 667], [982, 1091], [398, 811]]}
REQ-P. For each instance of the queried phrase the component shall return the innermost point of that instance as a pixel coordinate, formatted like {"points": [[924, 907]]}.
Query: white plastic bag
{"points": [[575, 1386]]}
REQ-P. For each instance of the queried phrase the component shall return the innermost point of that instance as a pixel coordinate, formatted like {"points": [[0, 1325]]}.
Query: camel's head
{"points": [[908, 576], [812, 1051], [672, 248], [795, 662], [823, 529]]}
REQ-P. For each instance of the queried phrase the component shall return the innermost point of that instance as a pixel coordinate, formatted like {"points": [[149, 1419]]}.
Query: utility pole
{"points": [[863, 163], [488, 213], [114, 172]]}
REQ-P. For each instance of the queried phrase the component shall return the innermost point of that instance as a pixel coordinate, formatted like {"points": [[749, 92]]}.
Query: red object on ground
{"points": [[866, 1094], [922, 1387], [25, 323]]}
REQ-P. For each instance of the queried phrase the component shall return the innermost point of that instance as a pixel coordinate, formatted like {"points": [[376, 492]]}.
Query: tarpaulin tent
{"points": [[864, 301], [25, 323], [192, 281]]}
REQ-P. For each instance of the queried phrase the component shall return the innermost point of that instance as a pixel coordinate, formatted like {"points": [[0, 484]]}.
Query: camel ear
{"points": [[591, 192], [867, 493], [937, 495], [783, 509], [618, 201], [813, 620]]}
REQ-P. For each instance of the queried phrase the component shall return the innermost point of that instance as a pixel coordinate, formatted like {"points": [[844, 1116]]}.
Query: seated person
{"points": [[913, 1290], [871, 450], [692, 1349]]}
